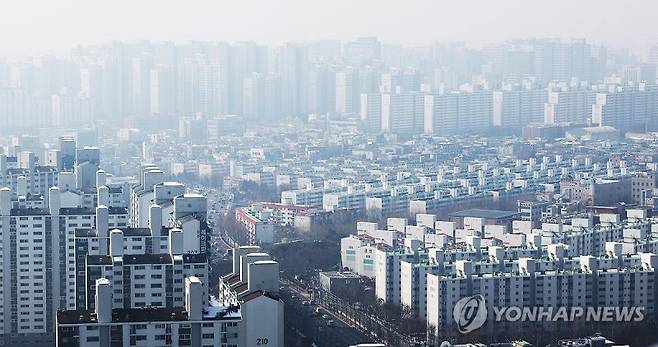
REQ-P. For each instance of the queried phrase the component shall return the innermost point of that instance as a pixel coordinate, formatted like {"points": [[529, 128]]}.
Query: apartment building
{"points": [[402, 258], [38, 248], [191, 324], [258, 231], [464, 111], [140, 280], [253, 286], [627, 108], [583, 286]]}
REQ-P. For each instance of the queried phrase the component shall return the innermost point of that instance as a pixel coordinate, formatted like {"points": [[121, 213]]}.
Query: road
{"points": [[218, 205], [341, 333], [362, 321]]}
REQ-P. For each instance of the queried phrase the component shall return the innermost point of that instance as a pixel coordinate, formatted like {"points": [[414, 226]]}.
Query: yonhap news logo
{"points": [[470, 313]]}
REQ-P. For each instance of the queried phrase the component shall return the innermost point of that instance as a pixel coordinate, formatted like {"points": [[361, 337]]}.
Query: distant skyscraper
{"points": [[253, 96], [92, 87], [87, 164], [627, 108], [363, 50], [569, 105], [367, 82], [140, 91], [347, 91], [458, 112], [371, 112], [324, 51], [653, 55], [67, 147], [518, 63], [212, 92], [518, 108], [292, 69], [321, 90], [562, 61], [402, 113], [245, 58], [648, 73], [161, 89], [272, 97]]}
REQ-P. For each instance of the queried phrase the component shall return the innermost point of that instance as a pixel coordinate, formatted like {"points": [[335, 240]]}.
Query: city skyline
{"points": [[440, 89], [35, 26], [337, 173]]}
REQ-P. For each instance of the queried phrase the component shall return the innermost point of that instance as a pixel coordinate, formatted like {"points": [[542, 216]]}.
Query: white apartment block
{"points": [[413, 193], [583, 286], [253, 286], [625, 107], [146, 280], [518, 107], [258, 231], [402, 113], [193, 323], [51, 229], [413, 282], [457, 111], [142, 194], [39, 270], [387, 264], [566, 105], [37, 178], [401, 261], [148, 276]]}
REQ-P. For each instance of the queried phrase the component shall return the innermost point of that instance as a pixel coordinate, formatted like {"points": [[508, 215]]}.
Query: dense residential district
{"points": [[343, 237], [321, 194]]}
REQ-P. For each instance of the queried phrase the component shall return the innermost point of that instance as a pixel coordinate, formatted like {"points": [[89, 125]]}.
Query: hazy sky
{"points": [[56, 24]]}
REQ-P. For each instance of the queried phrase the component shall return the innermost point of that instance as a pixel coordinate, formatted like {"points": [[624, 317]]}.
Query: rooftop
{"points": [[29, 212], [486, 214], [87, 211], [139, 259], [150, 314], [127, 232], [336, 274]]}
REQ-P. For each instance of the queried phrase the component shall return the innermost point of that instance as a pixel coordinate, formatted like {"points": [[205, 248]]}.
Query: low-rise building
{"points": [[339, 283]]}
